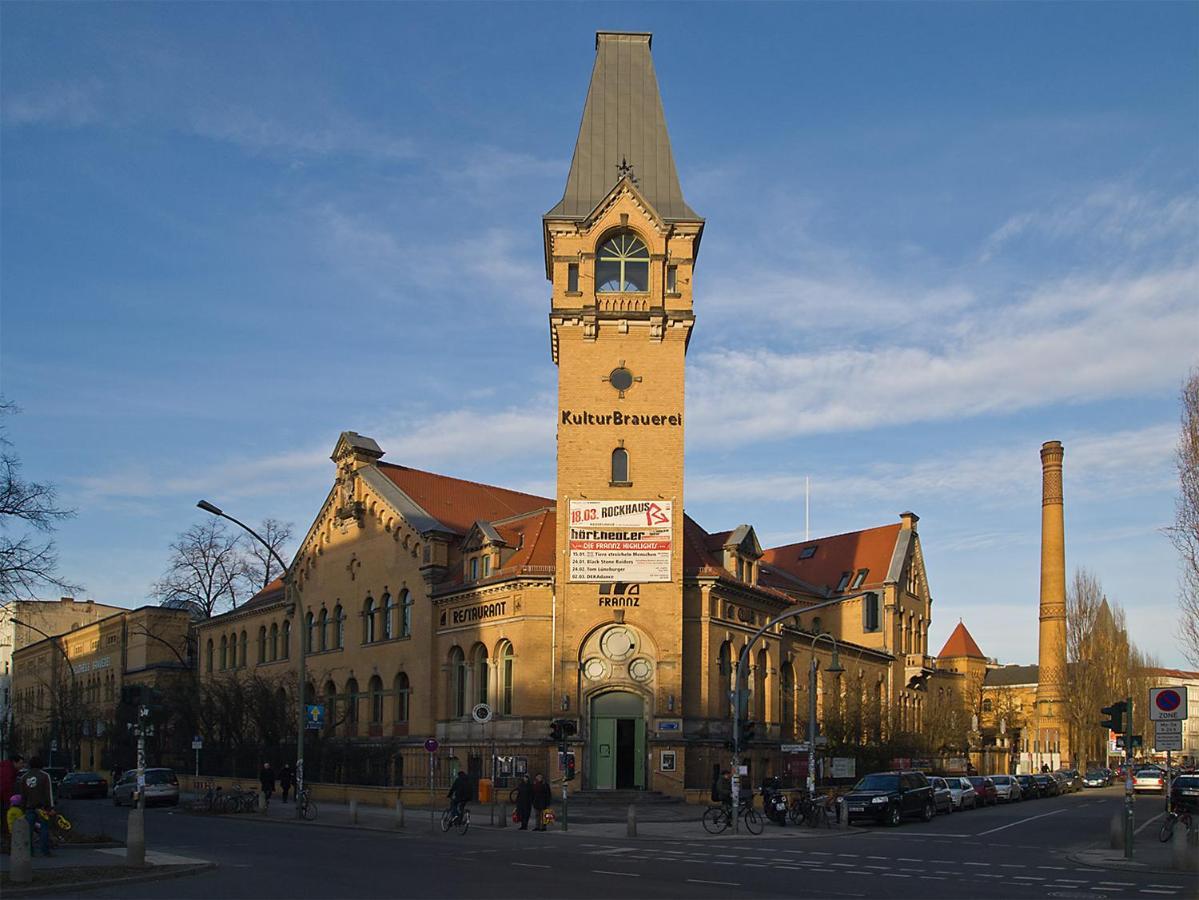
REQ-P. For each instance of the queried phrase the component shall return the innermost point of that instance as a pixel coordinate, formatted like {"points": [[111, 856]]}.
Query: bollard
{"points": [[503, 816], [22, 849], [353, 812], [632, 822], [842, 819], [1116, 832], [135, 838], [399, 822], [262, 801], [1184, 849]]}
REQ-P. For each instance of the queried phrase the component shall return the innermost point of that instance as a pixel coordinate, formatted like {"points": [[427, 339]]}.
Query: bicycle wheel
{"points": [[715, 820], [309, 810], [447, 820], [464, 821], [1167, 830], [753, 822]]}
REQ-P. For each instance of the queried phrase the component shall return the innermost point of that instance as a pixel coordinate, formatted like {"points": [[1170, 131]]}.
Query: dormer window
{"points": [[474, 568], [486, 564], [860, 578], [844, 582], [622, 264], [807, 552]]}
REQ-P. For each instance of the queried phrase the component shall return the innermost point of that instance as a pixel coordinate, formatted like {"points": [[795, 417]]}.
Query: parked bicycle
{"points": [[1174, 816], [717, 819], [461, 821], [816, 812], [306, 806]]}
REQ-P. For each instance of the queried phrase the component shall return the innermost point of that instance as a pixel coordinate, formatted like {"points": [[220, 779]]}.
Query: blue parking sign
{"points": [[314, 717]]}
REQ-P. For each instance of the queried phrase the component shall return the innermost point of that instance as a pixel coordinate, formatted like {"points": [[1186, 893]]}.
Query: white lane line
{"points": [[1168, 893], [1019, 822], [621, 874], [1097, 888], [1150, 822], [755, 865], [908, 859], [894, 875], [1069, 880], [530, 866], [976, 864], [1053, 868], [854, 855], [883, 857], [705, 881], [721, 862], [792, 868], [1029, 878], [1119, 883]]}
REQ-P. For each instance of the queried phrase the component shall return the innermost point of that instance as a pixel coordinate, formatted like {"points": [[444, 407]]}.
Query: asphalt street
{"points": [[1015, 851]]}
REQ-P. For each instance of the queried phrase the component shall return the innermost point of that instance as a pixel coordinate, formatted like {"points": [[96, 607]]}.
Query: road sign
{"points": [[314, 717], [431, 745], [197, 743], [1167, 703], [54, 746], [1168, 727], [795, 748], [1167, 738], [481, 713]]}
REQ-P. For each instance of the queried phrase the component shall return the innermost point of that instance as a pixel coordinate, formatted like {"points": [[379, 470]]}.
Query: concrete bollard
{"points": [[1115, 832], [1184, 849], [632, 821], [353, 812], [135, 838], [841, 821], [503, 823], [262, 801], [22, 864], [399, 820]]}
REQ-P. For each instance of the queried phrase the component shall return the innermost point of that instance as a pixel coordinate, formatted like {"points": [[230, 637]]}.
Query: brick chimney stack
{"points": [[1052, 650]]}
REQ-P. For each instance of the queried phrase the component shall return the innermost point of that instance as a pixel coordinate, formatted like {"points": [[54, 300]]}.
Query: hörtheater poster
{"points": [[620, 540]]}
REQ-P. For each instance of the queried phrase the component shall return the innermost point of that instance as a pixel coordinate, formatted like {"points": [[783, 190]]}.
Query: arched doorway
{"points": [[618, 741]]}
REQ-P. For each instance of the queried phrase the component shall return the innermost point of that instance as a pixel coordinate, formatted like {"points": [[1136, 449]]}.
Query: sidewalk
{"points": [[72, 867], [1149, 854]]}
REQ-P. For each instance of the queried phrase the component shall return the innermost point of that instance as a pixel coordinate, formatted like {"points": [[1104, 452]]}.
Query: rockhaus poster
{"points": [[620, 540]]}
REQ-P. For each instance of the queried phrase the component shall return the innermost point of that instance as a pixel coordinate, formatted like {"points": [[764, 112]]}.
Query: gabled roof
{"points": [[830, 557], [458, 504], [1010, 675], [623, 125], [960, 644], [533, 535]]}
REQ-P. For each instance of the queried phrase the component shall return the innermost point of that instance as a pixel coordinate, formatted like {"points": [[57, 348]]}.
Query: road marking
{"points": [[725, 883], [621, 874], [854, 855], [1053, 868], [1098, 888], [883, 857], [792, 868], [613, 852], [755, 865], [1147, 891], [908, 859], [1150, 822], [894, 875], [721, 862], [1119, 883], [1019, 822], [976, 864], [1028, 878], [530, 866]]}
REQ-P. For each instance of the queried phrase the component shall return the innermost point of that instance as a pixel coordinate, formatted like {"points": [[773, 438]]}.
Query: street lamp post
{"points": [[833, 669], [292, 596]]}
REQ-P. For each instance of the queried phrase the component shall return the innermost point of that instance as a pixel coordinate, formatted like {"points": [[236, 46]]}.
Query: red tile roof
{"points": [[1175, 673], [870, 549], [960, 643], [456, 503]]}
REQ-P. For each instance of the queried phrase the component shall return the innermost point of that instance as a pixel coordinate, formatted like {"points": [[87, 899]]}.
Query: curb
{"points": [[63, 886], [1120, 865]]}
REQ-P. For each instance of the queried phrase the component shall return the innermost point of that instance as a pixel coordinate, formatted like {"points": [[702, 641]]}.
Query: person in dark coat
{"points": [[459, 795], [36, 794], [285, 780], [541, 800], [524, 801], [266, 778]]}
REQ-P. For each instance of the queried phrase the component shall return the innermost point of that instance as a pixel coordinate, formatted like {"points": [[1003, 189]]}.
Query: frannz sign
{"points": [[618, 593]]}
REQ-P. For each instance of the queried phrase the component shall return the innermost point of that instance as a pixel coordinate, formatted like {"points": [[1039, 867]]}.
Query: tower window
{"points": [[672, 279], [572, 278], [620, 466], [622, 264]]}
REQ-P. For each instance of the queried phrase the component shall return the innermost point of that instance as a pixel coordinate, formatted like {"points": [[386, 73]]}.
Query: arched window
{"points": [[286, 638], [457, 682], [352, 697], [208, 654], [375, 688], [242, 652], [261, 644], [405, 614], [620, 466], [622, 264], [339, 624], [507, 663], [388, 612], [368, 620], [787, 698], [323, 628], [233, 650], [987, 706], [310, 634], [330, 705], [402, 692], [274, 655], [479, 672], [224, 653]]}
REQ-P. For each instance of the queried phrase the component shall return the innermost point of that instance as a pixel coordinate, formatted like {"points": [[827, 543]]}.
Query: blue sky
{"points": [[938, 235]]}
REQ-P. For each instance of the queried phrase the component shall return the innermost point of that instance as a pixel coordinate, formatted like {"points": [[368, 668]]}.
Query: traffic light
{"points": [[748, 726], [556, 731], [569, 727], [570, 767], [1115, 716]]}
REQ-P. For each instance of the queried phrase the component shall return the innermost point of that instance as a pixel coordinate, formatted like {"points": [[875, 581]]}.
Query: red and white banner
{"points": [[620, 540]]}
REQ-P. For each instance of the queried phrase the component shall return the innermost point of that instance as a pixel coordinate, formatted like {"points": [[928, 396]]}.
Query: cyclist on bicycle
{"points": [[459, 794], [722, 790]]}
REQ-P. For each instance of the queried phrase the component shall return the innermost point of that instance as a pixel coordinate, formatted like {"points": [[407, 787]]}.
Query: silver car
{"points": [[162, 786], [1007, 788], [1149, 779], [963, 793]]}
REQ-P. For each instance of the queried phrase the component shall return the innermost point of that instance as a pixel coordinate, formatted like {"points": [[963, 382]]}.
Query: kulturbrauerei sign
{"points": [[620, 540]]}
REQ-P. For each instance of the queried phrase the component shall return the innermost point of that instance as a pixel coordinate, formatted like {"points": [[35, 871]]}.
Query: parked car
{"points": [[1184, 793], [1028, 787], [1072, 779], [1063, 784], [963, 793], [889, 796], [1007, 788], [985, 788], [1095, 778], [162, 786], [78, 785], [942, 795], [1047, 785], [1149, 779]]}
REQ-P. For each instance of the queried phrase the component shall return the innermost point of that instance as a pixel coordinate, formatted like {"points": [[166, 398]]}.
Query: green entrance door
{"points": [[618, 742]]}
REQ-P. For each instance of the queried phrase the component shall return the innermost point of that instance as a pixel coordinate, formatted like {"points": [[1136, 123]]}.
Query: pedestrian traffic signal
{"points": [[556, 731], [570, 767], [748, 726], [1115, 716]]}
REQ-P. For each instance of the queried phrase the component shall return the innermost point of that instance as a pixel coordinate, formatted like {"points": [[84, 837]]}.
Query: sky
{"points": [[937, 236]]}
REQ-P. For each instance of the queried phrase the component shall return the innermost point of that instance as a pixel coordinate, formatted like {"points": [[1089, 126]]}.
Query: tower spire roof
{"points": [[961, 643], [623, 133]]}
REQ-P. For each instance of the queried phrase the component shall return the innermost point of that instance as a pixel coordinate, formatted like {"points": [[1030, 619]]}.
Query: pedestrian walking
{"points": [[285, 780], [36, 795], [541, 800], [266, 778], [524, 801]]}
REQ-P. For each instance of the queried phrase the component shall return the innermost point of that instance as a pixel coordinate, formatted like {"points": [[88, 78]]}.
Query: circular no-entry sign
{"points": [[431, 745], [1167, 700]]}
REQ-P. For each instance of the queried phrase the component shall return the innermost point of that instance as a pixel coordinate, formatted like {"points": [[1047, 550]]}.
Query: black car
{"points": [[83, 784], [1047, 785], [886, 797], [1184, 793], [1028, 787]]}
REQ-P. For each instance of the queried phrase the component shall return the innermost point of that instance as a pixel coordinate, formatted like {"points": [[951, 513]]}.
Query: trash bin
{"points": [[484, 790]]}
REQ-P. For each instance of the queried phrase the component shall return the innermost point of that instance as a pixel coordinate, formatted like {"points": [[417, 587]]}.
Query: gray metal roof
{"points": [[623, 123], [1010, 675]]}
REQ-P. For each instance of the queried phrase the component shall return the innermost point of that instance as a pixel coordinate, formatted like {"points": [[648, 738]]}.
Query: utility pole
{"points": [[1128, 795]]}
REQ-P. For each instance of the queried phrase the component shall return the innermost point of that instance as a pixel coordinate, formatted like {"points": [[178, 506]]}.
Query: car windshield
{"points": [[1000, 779], [1190, 782], [161, 776], [976, 780], [878, 783]]}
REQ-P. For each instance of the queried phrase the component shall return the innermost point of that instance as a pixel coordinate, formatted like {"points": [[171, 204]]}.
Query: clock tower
{"points": [[620, 250]]}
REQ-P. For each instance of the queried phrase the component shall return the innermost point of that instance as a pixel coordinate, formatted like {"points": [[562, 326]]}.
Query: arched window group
{"points": [[343, 709], [471, 682]]}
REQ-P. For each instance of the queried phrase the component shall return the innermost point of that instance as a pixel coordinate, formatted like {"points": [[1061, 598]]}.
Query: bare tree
{"points": [[262, 564], [28, 512], [1185, 532], [207, 569]]}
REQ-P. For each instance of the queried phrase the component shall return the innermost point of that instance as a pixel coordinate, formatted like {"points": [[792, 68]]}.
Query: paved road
{"points": [[1013, 851]]}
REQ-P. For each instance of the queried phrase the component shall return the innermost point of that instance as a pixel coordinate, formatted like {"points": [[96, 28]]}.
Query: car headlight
{"points": [[879, 800]]}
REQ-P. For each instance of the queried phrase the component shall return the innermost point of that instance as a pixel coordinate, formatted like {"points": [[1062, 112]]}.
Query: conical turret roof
{"points": [[960, 644]]}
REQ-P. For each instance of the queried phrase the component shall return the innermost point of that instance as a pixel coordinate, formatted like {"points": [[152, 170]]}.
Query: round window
{"points": [[641, 669], [621, 379], [595, 669], [617, 643]]}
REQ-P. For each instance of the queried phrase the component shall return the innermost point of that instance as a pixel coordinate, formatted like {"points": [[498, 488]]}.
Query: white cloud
{"points": [[64, 104], [318, 136]]}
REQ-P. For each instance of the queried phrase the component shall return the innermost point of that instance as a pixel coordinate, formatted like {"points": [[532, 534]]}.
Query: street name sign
{"points": [[1167, 703]]}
